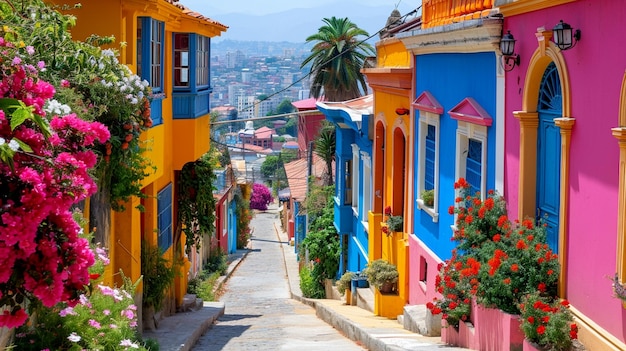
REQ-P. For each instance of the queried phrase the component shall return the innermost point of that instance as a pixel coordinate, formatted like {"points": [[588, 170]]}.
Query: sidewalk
{"points": [[373, 332]]}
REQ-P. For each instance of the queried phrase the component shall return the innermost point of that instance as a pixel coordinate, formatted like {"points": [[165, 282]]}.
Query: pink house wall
{"points": [[419, 292], [596, 67]]}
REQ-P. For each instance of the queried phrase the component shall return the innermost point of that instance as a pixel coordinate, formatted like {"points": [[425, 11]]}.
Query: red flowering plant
{"points": [[457, 282], [520, 261], [393, 223], [508, 259], [548, 322]]}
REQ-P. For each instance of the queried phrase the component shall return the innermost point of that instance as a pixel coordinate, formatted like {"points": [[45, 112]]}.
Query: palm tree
{"points": [[336, 60], [325, 148]]}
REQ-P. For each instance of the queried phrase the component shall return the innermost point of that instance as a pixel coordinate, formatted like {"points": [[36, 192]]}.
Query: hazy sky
{"points": [[210, 8]]}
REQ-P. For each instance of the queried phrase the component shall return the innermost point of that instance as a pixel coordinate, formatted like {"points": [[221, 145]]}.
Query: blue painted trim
{"points": [[164, 217]]}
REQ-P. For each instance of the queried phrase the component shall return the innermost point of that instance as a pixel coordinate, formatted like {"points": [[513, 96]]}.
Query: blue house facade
{"points": [[353, 169], [457, 133]]}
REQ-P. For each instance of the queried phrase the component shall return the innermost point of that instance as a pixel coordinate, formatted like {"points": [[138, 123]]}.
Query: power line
{"points": [[288, 115], [332, 58]]}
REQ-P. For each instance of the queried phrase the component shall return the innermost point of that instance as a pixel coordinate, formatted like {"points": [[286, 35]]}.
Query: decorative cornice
{"points": [[468, 110], [477, 35], [427, 102], [517, 7], [394, 77]]}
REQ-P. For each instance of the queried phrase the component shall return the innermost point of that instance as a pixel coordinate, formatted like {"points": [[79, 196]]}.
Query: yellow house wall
{"points": [[169, 145], [393, 248], [392, 53]]}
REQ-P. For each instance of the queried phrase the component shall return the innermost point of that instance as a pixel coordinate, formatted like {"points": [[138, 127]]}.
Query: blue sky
{"points": [[252, 7], [293, 20]]}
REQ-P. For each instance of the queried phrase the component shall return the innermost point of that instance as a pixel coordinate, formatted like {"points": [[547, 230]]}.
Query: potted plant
{"points": [[345, 282], [382, 275], [428, 196], [547, 323], [393, 223]]}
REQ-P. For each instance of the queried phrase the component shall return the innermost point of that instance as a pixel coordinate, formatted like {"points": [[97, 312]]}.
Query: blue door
{"points": [[549, 154]]}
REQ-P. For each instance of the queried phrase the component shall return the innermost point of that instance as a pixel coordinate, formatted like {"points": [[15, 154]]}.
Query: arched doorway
{"points": [[399, 170], [549, 107]]}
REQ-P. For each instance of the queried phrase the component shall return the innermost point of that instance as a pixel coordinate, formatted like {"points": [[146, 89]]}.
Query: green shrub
{"points": [[310, 287], [158, 275], [217, 262]]}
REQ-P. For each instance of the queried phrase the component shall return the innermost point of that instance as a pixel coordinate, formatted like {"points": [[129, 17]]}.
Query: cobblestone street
{"points": [[260, 314]]}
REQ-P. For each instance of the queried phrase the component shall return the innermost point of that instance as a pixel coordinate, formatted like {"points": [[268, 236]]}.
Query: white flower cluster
{"points": [[131, 84], [56, 108], [13, 145]]}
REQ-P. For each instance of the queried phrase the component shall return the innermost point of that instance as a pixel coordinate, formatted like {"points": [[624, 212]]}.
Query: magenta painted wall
{"points": [[596, 67]]}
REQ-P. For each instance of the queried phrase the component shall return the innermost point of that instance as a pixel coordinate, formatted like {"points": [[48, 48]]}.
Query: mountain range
{"points": [[297, 24]]}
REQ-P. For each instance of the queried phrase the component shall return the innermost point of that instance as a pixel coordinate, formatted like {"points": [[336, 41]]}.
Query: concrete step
{"points": [[365, 299], [419, 319]]}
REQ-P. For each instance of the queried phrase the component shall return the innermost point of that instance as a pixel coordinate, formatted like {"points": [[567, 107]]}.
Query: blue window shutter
{"points": [[473, 165], [164, 217], [429, 171]]}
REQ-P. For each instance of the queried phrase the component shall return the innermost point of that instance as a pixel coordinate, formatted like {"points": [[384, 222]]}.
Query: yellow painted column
{"points": [[620, 134], [565, 124], [529, 122]]}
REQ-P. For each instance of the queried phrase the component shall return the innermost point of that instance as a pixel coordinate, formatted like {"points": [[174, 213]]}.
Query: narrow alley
{"points": [[259, 312]]}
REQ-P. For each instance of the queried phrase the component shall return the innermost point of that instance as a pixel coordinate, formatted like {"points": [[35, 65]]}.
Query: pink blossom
{"points": [[14, 320], [16, 61], [128, 314], [30, 50], [94, 324]]}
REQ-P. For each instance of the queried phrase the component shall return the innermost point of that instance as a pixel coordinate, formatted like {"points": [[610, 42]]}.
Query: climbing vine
{"points": [[196, 204]]}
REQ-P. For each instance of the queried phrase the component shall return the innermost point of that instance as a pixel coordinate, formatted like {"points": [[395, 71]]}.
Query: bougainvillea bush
{"points": [[92, 83], [261, 197], [104, 318], [44, 164]]}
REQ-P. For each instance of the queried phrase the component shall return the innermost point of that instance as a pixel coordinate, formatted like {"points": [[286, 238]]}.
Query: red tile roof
{"points": [[297, 175], [194, 14]]}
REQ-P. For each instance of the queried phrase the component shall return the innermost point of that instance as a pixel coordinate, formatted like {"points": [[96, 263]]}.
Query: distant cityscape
{"points": [[255, 77]]}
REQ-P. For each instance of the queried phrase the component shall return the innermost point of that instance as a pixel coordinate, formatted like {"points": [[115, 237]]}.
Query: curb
{"points": [[231, 268]]}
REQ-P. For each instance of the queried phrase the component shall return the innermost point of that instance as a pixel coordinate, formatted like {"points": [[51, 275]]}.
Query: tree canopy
{"points": [[336, 60]]}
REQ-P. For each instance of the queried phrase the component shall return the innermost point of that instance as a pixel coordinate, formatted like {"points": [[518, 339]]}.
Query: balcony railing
{"points": [[442, 12]]}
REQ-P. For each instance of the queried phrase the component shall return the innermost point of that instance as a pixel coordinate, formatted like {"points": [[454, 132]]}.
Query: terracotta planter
{"points": [[387, 287]]}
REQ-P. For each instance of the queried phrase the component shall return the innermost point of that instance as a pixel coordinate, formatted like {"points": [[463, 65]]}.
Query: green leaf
{"points": [[8, 104], [19, 116]]}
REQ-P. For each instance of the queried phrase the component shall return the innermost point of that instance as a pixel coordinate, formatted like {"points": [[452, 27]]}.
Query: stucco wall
{"points": [[595, 67]]}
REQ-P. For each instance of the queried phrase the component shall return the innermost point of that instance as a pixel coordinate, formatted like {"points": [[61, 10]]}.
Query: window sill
{"points": [[429, 210]]}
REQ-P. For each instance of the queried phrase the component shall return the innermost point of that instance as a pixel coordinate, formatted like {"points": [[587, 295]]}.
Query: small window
{"points": [[355, 178], [164, 217], [150, 35], [181, 60], [471, 155], [473, 166], [428, 154], [202, 61], [367, 185], [347, 198]]}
